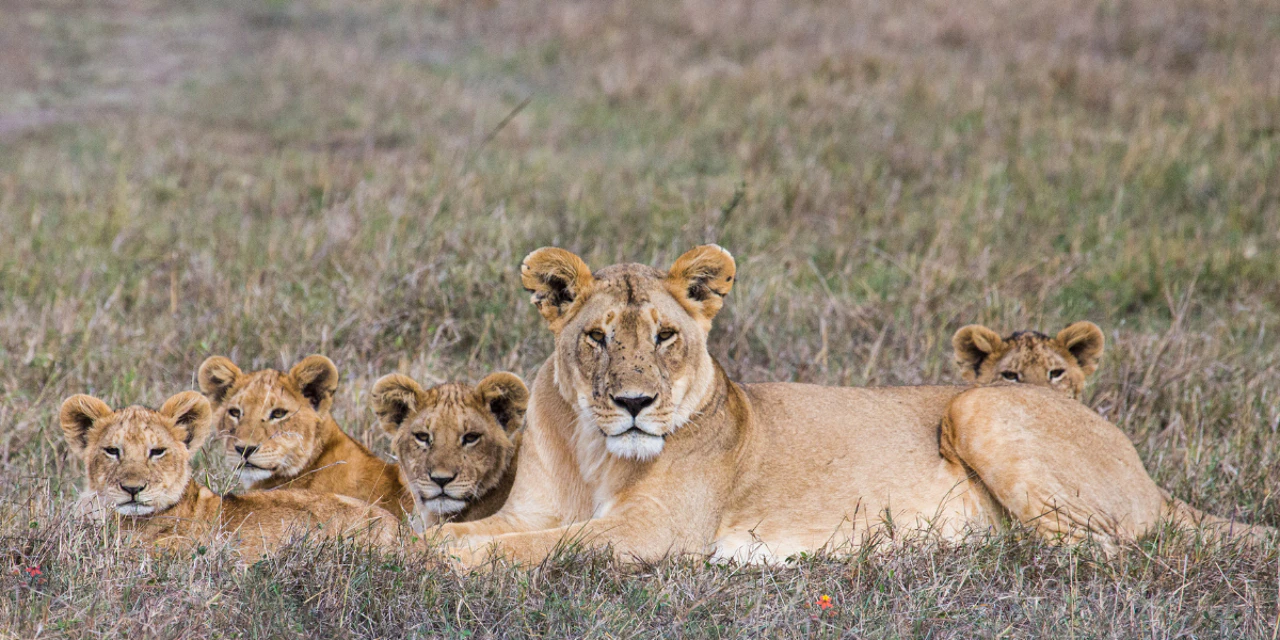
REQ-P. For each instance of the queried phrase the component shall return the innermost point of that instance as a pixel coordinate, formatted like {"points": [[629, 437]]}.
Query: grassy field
{"points": [[360, 178]]}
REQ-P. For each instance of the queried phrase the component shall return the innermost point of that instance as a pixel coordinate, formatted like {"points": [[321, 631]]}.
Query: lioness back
{"points": [[1062, 362], [281, 433]]}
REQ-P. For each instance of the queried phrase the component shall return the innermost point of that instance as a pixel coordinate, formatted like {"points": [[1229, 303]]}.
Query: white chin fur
{"points": [[249, 476], [634, 445], [135, 509], [442, 506]]}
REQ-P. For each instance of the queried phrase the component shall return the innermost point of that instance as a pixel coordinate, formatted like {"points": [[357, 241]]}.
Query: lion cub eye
{"points": [[666, 334], [597, 336], [156, 453], [470, 438], [112, 452], [1057, 373], [234, 413], [276, 414], [1011, 376], [423, 437]]}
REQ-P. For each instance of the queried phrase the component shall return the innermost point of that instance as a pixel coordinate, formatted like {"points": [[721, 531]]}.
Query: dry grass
{"points": [[269, 179]]}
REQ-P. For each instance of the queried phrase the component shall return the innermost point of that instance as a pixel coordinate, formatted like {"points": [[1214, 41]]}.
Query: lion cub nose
{"points": [[246, 451], [442, 480], [132, 490], [633, 404]]}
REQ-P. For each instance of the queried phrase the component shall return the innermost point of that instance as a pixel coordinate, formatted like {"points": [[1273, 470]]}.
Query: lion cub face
{"points": [[1062, 362], [631, 341], [272, 420], [454, 442], [137, 458]]}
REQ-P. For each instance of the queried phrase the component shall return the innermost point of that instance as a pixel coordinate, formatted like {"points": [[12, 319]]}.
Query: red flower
{"points": [[824, 602], [34, 571]]}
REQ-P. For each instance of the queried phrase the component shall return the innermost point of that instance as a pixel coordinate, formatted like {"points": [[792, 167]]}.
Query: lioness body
{"points": [[636, 439], [138, 464], [281, 433]]}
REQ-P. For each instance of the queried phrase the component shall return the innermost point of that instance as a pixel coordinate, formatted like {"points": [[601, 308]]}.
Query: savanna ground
{"points": [[361, 178]]}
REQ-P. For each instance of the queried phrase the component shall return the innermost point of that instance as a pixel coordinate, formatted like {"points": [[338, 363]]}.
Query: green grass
{"points": [[268, 180]]}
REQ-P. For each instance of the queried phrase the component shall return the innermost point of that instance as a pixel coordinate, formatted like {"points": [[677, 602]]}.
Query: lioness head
{"points": [[273, 419], [137, 458], [631, 341], [1062, 362], [454, 442]]}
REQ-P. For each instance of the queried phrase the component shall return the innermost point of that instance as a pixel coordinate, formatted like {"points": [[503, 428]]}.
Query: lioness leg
{"points": [[1053, 463]]}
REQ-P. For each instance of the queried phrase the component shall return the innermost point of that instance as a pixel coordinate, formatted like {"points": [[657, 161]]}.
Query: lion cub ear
{"points": [[395, 397], [972, 345], [507, 398], [317, 378], [79, 415], [216, 377], [1085, 341], [700, 279], [557, 279], [192, 418]]}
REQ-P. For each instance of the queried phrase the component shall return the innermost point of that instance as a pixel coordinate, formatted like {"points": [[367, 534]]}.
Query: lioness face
{"points": [[454, 442], [1063, 362], [631, 341], [272, 420], [137, 458]]}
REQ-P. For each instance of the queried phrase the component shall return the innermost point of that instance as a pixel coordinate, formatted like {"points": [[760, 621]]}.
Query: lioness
{"points": [[282, 434], [457, 444], [638, 440], [1062, 362], [138, 463]]}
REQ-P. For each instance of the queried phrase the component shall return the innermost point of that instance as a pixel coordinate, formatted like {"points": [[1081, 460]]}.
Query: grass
{"points": [[265, 180]]}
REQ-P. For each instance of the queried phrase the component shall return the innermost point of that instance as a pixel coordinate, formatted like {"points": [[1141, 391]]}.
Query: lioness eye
{"points": [[1010, 375], [423, 437], [469, 438], [666, 334], [156, 453], [234, 413], [276, 414], [596, 336], [1057, 373], [111, 451]]}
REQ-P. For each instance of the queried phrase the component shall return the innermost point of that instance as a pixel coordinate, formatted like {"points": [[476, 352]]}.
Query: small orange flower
{"points": [[824, 602]]}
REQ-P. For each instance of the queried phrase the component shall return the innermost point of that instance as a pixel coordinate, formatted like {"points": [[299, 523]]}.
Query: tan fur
{"points": [[457, 444], [150, 450], [287, 436], [763, 471], [1062, 362]]}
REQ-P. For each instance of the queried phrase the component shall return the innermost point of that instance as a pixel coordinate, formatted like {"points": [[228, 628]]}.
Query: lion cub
{"points": [[138, 463], [1062, 362], [457, 444], [282, 434]]}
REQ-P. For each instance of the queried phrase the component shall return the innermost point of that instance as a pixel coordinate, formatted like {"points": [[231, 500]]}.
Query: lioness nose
{"points": [[246, 451], [633, 404], [132, 490], [442, 480]]}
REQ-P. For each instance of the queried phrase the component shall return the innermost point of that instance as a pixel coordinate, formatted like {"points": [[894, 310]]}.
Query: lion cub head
{"points": [[1062, 362], [138, 459], [454, 442], [274, 420], [631, 341]]}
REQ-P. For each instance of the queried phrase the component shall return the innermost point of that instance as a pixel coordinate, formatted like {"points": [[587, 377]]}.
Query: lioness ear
{"points": [[317, 378], [700, 279], [216, 377], [1085, 341], [972, 345], [507, 398], [192, 418], [78, 416], [395, 398], [557, 279]]}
